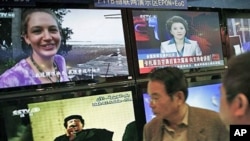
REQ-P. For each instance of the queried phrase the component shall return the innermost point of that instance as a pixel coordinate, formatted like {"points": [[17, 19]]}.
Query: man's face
{"points": [[75, 124], [161, 103]]}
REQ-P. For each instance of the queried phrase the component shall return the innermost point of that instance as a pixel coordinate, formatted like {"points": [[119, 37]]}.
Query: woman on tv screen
{"points": [[179, 45], [41, 32]]}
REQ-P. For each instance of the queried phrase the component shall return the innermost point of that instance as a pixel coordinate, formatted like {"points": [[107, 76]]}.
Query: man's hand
{"points": [[71, 133]]}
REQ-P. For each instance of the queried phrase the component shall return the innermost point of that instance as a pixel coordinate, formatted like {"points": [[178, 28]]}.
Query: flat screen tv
{"points": [[41, 117], [238, 30], [156, 47], [200, 94], [93, 44]]}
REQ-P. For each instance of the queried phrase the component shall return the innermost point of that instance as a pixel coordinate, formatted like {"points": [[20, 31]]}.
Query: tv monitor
{"points": [[41, 117], [204, 95], [238, 25], [149, 28], [93, 44]]}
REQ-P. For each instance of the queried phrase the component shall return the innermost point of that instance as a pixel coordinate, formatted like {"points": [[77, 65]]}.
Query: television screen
{"points": [[186, 39], [92, 45], [205, 96], [238, 27], [41, 117]]}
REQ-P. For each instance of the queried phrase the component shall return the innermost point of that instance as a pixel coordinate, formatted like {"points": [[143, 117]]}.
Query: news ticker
{"points": [[239, 132], [154, 60]]}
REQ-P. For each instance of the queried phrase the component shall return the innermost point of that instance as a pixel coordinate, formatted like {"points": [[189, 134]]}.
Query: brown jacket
{"points": [[203, 125]]}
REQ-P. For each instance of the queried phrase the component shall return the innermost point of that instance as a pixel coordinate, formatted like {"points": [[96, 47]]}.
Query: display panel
{"points": [[200, 42], [238, 29], [92, 45], [37, 118], [203, 95]]}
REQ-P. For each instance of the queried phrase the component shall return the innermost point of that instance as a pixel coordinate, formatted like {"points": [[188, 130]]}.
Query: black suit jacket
{"points": [[89, 135]]}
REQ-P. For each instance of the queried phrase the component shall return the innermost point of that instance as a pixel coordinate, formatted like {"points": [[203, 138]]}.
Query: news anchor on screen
{"points": [[179, 45], [41, 32]]}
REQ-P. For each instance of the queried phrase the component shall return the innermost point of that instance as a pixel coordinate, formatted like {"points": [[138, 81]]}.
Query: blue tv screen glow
{"points": [[205, 96]]}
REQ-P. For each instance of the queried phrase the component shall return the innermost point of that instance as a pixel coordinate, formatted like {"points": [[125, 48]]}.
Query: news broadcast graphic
{"points": [[92, 45], [238, 27], [203, 31], [42, 117], [239, 132], [205, 96]]}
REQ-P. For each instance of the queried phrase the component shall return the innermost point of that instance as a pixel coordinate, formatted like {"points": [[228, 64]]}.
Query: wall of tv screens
{"points": [[106, 45], [102, 49]]}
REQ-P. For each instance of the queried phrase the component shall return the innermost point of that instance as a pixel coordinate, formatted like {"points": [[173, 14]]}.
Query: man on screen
{"points": [[74, 131], [235, 92]]}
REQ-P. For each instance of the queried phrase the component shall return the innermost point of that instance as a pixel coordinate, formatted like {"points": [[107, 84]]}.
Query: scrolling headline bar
{"points": [[204, 60], [170, 4]]}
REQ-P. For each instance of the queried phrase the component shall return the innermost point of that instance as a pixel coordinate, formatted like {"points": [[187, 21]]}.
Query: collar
{"points": [[185, 119], [186, 40], [183, 123]]}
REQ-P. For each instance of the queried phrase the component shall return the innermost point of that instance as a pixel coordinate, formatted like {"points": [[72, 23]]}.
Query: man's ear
{"points": [[179, 96], [240, 105]]}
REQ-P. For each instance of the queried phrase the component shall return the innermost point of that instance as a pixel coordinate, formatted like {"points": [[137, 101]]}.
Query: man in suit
{"points": [[235, 92], [175, 119]]}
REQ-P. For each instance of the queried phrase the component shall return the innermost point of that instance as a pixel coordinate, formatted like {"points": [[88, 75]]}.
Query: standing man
{"points": [[235, 91], [175, 120]]}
